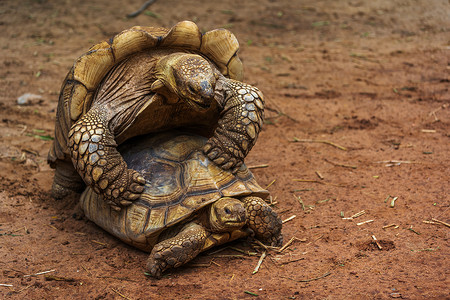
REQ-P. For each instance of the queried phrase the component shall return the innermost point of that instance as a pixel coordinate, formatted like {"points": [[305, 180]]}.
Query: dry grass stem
{"points": [[355, 215], [258, 166], [213, 262], [318, 181], [388, 226], [287, 244], [243, 251], [340, 165], [100, 243], [428, 130], [308, 280], [299, 199], [297, 140], [39, 273], [361, 223], [4, 284], [51, 226], [441, 222], [393, 202], [258, 265], [319, 175], [121, 295], [288, 219], [84, 268], [270, 184], [410, 228], [390, 163], [376, 242]]}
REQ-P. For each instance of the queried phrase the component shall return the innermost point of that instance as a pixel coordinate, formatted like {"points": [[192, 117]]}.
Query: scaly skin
{"points": [[263, 221], [176, 251], [96, 159], [192, 239], [240, 123]]}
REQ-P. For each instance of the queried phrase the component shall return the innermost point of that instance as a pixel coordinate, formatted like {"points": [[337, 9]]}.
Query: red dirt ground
{"points": [[370, 76]]}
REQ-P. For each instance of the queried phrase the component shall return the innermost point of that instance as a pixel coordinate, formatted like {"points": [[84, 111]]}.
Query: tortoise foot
{"points": [[59, 192], [222, 158], [263, 221], [239, 126], [176, 251]]}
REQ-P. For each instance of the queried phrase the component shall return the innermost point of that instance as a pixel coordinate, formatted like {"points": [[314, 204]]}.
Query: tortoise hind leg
{"points": [[66, 180], [96, 159]]}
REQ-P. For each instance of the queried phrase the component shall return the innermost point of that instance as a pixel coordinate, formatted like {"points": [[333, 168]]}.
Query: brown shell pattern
{"points": [[219, 45], [180, 181]]}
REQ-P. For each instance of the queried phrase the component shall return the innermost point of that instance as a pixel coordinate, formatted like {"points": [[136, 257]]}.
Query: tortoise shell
{"points": [[220, 46], [181, 181]]}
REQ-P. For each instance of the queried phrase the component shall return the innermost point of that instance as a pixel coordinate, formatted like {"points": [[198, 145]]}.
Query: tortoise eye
{"points": [[191, 89], [227, 210]]}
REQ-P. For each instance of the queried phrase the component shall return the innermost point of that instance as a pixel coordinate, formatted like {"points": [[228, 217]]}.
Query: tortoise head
{"points": [[189, 76], [227, 214]]}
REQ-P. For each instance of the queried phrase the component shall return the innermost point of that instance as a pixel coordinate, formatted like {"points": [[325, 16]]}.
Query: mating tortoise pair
{"points": [[148, 80]]}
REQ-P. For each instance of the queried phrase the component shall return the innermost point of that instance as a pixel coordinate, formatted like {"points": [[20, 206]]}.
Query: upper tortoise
{"points": [[148, 79], [189, 204]]}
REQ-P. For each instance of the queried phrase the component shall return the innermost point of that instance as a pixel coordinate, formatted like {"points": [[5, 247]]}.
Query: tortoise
{"points": [[188, 205], [144, 80]]}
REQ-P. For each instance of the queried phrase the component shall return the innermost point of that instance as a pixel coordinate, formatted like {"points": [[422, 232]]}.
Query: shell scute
{"points": [[220, 45]]}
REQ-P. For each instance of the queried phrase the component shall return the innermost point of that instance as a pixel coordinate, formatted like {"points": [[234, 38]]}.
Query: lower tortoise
{"points": [[146, 80], [188, 205]]}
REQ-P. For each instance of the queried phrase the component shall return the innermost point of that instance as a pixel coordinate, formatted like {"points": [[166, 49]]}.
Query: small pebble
{"points": [[27, 97]]}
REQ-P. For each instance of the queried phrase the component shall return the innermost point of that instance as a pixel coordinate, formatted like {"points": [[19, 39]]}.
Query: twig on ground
{"points": [[141, 9], [117, 278], [319, 175], [340, 165], [410, 228], [299, 199], [393, 202], [390, 163], [376, 242], [86, 270], [297, 140], [441, 222], [121, 295], [390, 225], [308, 280], [39, 273], [287, 244], [355, 215], [318, 181], [279, 111], [4, 284], [100, 243], [270, 184], [258, 265], [258, 166], [288, 219], [364, 222]]}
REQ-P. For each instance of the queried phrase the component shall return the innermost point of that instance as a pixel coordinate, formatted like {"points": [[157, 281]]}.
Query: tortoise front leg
{"points": [[95, 156], [178, 250], [263, 221], [239, 125]]}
